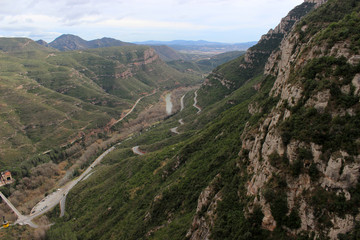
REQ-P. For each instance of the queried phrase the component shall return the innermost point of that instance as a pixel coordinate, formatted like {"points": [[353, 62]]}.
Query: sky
{"points": [[230, 21]]}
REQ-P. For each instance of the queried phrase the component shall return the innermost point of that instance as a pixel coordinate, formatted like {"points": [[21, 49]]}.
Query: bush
{"points": [[293, 221]]}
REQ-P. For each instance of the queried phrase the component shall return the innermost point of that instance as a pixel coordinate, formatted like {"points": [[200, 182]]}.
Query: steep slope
{"points": [[281, 163], [209, 64], [226, 78], [205, 64], [168, 54], [305, 153], [68, 42]]}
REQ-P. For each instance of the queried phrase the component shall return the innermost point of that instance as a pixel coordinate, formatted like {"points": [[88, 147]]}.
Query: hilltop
{"points": [[69, 42]]}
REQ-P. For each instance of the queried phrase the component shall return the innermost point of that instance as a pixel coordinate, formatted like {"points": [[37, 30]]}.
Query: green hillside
{"points": [[49, 97], [270, 160], [205, 64]]}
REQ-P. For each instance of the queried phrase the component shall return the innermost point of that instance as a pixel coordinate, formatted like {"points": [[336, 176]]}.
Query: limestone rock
{"points": [[341, 225], [354, 60], [205, 215], [319, 101], [338, 174], [356, 83]]}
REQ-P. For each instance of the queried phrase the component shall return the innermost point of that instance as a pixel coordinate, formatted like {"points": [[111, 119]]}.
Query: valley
{"points": [[137, 142]]}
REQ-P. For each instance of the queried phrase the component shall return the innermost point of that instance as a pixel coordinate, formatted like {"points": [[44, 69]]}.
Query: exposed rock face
{"points": [[340, 175], [356, 83], [331, 173], [149, 57], [274, 35], [320, 100], [337, 173], [126, 71], [205, 213], [223, 81]]}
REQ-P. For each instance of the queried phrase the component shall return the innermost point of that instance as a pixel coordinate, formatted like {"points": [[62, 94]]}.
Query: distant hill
{"points": [[19, 44], [219, 59], [204, 65], [43, 43], [168, 54], [68, 42], [201, 45]]}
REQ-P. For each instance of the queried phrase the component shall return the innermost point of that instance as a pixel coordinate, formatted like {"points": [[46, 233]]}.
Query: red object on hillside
{"points": [[5, 178]]}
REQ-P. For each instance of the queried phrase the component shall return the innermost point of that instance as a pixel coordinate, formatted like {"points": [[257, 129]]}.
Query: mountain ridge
{"points": [[69, 42]]}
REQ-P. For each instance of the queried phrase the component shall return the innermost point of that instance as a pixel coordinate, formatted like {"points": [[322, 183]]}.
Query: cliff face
{"points": [[311, 167], [303, 157], [225, 79]]}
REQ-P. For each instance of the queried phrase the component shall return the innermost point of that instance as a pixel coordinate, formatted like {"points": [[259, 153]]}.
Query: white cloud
{"points": [[142, 18]]}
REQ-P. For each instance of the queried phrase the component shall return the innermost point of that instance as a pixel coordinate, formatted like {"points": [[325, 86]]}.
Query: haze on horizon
{"points": [[139, 20]]}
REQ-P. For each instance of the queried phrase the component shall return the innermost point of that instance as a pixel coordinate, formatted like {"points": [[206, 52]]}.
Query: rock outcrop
{"points": [[307, 166]]}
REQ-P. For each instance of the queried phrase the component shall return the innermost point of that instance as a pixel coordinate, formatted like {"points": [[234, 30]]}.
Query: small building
{"points": [[5, 178]]}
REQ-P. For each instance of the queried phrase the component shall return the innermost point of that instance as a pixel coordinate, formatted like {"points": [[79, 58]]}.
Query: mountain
{"points": [[234, 74], [68, 42], [219, 59], [275, 157], [203, 64], [168, 54], [49, 97], [200, 46], [43, 43], [271, 149]]}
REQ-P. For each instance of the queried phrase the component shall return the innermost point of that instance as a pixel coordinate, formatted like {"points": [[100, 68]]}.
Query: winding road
{"points": [[174, 130], [195, 103], [137, 150], [59, 195], [134, 106], [182, 105]]}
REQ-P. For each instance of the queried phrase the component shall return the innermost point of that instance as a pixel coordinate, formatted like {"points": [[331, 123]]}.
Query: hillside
{"points": [[204, 64], [228, 77], [277, 158], [168, 54], [48, 97], [68, 42]]}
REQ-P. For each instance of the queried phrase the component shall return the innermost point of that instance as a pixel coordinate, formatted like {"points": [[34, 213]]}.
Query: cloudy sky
{"points": [[140, 20]]}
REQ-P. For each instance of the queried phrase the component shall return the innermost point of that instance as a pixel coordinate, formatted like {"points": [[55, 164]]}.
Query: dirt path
{"points": [[133, 107], [174, 130]]}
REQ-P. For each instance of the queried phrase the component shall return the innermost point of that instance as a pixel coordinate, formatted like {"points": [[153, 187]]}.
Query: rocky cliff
{"points": [[237, 72], [302, 158]]}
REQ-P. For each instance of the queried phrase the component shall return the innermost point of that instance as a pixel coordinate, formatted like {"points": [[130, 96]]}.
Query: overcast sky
{"points": [[140, 20]]}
